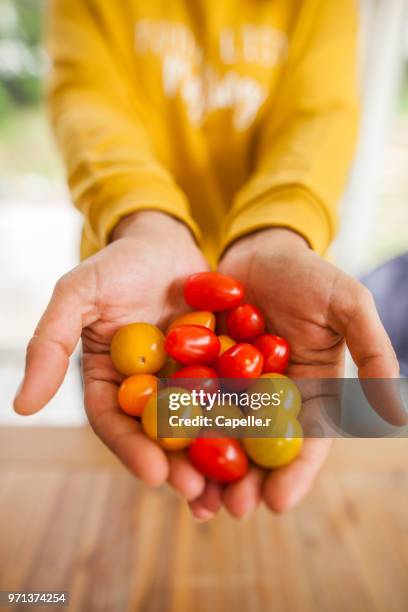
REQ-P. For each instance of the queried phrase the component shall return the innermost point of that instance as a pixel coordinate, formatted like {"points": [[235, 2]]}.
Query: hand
{"points": [[317, 308], [138, 277]]}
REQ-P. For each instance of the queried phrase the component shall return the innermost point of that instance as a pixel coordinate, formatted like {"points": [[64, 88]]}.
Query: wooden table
{"points": [[71, 518]]}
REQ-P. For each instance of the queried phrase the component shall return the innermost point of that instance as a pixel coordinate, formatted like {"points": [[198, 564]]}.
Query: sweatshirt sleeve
{"points": [[111, 165], [307, 134]]}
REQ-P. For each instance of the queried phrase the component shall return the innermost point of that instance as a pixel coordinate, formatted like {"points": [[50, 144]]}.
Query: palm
{"points": [[289, 290], [136, 278], [121, 276], [317, 308], [135, 281]]}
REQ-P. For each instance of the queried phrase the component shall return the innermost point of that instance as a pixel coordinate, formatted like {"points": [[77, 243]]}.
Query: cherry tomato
{"points": [[192, 345], [225, 343], [212, 291], [198, 317], [221, 459], [135, 391], [240, 361], [274, 452], [245, 323], [138, 348], [289, 394], [203, 377], [159, 402], [275, 351]]}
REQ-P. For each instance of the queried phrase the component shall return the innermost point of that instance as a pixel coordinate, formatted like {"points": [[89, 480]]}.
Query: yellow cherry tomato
{"points": [[135, 392], [290, 399], [158, 405], [274, 452], [197, 317], [171, 366], [138, 348], [225, 343]]}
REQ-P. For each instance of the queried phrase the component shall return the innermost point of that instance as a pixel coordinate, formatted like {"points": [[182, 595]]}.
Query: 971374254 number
{"points": [[34, 598]]}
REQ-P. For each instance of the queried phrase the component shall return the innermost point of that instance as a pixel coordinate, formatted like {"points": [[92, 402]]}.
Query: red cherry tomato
{"points": [[192, 345], [208, 378], [240, 361], [245, 323], [275, 351], [221, 459], [212, 291]]}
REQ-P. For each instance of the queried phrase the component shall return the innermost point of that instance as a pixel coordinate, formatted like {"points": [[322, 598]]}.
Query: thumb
{"points": [[356, 317], [54, 340]]}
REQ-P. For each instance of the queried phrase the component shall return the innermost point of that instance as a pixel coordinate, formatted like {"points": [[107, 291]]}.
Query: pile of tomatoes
{"points": [[223, 338]]}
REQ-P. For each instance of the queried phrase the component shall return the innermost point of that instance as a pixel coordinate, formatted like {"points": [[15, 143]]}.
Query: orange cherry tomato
{"points": [[212, 291], [159, 402], [135, 392], [138, 348], [225, 343], [198, 317]]}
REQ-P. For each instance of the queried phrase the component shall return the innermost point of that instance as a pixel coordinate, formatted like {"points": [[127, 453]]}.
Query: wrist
{"points": [[152, 222], [277, 237]]}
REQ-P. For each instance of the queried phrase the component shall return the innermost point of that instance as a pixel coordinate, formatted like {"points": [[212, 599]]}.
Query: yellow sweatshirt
{"points": [[229, 115]]}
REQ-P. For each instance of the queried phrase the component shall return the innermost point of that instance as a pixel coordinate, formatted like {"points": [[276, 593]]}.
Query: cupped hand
{"points": [[318, 309], [138, 277]]}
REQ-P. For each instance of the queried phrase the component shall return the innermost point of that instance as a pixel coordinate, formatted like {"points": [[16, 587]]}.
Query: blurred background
{"points": [[39, 228], [87, 503]]}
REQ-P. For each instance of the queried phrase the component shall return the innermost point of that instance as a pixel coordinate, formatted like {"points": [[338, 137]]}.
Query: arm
{"points": [[307, 136], [113, 169]]}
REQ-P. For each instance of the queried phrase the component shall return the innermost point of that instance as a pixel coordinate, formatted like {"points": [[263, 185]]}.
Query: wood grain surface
{"points": [[71, 518]]}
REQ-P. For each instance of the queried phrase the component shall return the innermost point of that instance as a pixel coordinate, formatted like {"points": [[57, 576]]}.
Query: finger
{"points": [[54, 340], [242, 497], [209, 502], [285, 487], [184, 478], [320, 417], [353, 313], [123, 434]]}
